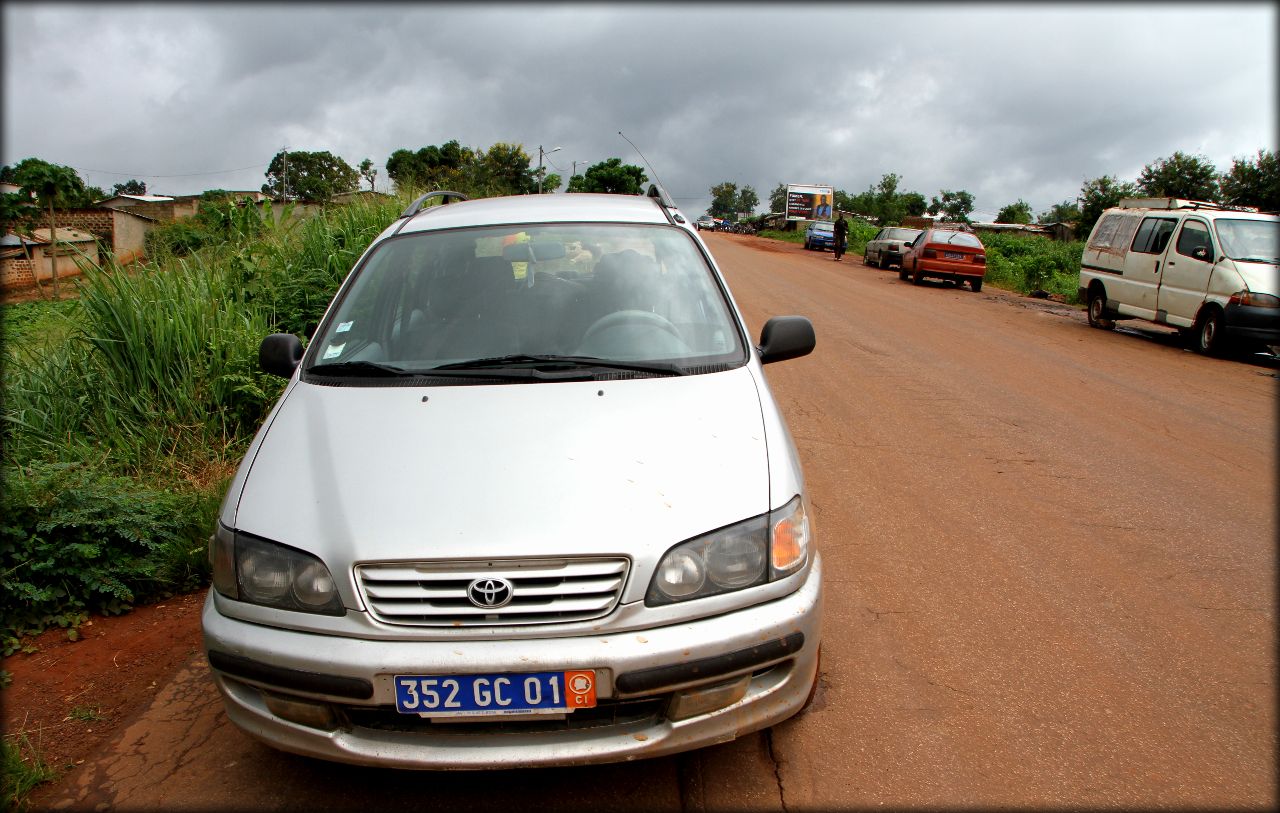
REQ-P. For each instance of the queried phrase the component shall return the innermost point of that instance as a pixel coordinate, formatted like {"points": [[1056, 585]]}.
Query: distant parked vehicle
{"points": [[1208, 270], [956, 256], [820, 236], [888, 246], [705, 222]]}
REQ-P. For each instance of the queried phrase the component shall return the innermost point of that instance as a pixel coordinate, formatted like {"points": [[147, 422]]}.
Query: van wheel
{"points": [[1208, 336], [1098, 311]]}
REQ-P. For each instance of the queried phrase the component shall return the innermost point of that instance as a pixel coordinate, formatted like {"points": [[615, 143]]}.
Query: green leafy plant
{"points": [[74, 540]]}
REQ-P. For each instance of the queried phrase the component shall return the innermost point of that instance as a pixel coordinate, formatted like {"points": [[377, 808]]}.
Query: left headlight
{"points": [[756, 551], [247, 568]]}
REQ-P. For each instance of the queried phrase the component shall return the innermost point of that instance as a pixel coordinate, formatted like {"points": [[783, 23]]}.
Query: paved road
{"points": [[1050, 563]]}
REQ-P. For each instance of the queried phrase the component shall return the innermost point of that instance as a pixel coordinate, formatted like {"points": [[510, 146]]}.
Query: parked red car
{"points": [[958, 256]]}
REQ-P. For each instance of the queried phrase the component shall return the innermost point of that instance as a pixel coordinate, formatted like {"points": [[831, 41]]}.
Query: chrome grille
{"points": [[544, 591]]}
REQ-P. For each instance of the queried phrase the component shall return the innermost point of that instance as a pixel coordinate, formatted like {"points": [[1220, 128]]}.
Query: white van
{"points": [[1208, 270]]}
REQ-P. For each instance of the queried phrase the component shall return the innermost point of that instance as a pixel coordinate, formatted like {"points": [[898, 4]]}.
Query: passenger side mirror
{"points": [[786, 337], [1200, 253], [279, 354]]}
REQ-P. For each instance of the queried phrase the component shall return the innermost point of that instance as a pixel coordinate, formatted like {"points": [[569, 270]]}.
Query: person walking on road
{"points": [[842, 234]]}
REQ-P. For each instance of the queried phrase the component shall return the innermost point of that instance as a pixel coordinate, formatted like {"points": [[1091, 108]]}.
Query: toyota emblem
{"points": [[490, 593]]}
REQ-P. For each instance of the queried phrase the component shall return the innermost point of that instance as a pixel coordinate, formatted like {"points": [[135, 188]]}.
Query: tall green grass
{"points": [[124, 417]]}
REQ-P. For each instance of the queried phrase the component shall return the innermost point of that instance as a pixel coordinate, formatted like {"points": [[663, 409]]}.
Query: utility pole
{"points": [[542, 152], [284, 189]]}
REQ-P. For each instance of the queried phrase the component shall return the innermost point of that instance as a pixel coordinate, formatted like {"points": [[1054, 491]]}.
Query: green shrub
{"points": [[74, 540], [1027, 263]]}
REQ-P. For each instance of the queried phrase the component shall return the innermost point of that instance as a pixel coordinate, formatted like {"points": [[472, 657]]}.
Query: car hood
{"points": [[1261, 278], [359, 474]]}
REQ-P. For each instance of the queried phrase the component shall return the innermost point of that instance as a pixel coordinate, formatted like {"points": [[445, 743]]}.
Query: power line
{"points": [[182, 175]]}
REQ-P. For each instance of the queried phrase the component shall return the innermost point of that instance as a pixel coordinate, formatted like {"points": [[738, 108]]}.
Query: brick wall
{"points": [[16, 273], [98, 222]]}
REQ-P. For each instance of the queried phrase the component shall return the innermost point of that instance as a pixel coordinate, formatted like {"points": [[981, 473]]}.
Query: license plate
{"points": [[495, 694], [953, 255]]}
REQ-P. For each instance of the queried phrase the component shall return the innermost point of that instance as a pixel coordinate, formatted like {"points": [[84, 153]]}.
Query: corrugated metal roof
{"points": [[139, 198]]}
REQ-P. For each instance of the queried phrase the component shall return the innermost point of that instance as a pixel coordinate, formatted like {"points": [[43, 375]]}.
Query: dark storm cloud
{"points": [[1005, 101]]}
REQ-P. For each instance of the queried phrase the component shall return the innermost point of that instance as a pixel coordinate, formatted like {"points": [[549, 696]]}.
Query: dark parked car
{"points": [[956, 256]]}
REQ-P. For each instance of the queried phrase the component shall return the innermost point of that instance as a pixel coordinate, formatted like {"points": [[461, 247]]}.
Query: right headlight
{"points": [[247, 568], [756, 551]]}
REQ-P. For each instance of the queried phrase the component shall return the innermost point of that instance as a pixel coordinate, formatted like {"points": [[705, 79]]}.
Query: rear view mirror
{"points": [[279, 354], [536, 251], [786, 337]]}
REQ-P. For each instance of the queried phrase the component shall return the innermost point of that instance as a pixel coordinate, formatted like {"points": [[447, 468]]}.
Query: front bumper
{"points": [[1252, 323], [773, 646]]}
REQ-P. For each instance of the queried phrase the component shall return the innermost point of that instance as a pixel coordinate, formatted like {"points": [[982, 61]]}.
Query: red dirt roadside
{"points": [[69, 697]]}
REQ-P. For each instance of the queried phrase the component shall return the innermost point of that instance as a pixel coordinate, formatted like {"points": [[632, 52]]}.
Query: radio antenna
{"points": [[642, 158]]}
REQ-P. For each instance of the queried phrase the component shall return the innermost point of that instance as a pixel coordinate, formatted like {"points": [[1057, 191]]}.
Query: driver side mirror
{"points": [[279, 354], [1200, 253], [786, 337]]}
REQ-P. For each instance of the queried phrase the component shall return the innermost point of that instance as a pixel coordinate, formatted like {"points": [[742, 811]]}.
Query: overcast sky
{"points": [[1006, 101]]}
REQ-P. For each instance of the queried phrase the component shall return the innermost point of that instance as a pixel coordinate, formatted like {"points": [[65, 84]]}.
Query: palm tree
{"points": [[49, 183]]}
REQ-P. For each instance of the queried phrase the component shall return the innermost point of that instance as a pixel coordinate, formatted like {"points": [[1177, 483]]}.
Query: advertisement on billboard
{"points": [[809, 202]]}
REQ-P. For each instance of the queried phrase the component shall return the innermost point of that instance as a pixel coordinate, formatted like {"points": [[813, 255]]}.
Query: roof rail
{"points": [[1181, 203], [416, 206], [665, 203]]}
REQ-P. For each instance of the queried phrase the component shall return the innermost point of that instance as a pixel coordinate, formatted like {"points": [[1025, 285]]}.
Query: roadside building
{"points": [[74, 249], [124, 231]]}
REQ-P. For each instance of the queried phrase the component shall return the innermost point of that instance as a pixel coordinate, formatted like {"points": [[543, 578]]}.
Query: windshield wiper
{"points": [[358, 368], [524, 360]]}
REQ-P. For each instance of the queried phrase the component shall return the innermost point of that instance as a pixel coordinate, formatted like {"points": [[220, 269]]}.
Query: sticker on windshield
{"points": [[343, 327], [334, 350]]}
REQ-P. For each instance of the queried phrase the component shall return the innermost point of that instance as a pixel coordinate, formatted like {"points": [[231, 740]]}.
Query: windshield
{"points": [[1249, 240], [824, 227], [902, 234], [530, 295]]}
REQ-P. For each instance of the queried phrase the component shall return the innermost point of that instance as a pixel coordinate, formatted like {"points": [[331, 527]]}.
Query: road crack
{"points": [[777, 768]]}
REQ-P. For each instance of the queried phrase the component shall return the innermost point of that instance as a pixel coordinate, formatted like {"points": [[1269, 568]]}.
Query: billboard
{"points": [[809, 202]]}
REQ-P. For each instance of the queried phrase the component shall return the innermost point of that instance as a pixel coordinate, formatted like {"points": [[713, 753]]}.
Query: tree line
{"points": [[1250, 181]]}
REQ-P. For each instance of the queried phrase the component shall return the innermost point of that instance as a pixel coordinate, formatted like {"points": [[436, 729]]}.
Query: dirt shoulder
{"points": [[70, 697]]}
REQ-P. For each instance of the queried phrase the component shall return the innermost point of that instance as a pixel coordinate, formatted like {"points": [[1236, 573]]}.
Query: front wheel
{"points": [[1098, 311], [1208, 336]]}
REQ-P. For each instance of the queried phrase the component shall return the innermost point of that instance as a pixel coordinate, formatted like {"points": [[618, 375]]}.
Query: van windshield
{"points": [[1249, 240], [558, 294]]}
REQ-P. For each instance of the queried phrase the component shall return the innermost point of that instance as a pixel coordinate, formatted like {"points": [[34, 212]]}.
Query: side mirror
{"points": [[279, 354], [1200, 253], [786, 337]]}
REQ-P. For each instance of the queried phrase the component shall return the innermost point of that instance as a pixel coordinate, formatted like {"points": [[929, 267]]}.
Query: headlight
{"points": [[250, 569], [1247, 297], [753, 552]]}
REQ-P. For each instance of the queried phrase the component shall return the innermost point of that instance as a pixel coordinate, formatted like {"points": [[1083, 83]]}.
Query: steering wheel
{"points": [[638, 318]]}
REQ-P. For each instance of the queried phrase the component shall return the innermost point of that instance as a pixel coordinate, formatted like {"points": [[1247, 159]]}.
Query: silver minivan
{"points": [[1208, 270], [525, 500]]}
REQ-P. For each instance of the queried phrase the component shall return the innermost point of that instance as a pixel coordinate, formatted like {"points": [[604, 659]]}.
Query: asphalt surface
{"points": [[1050, 581]]}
